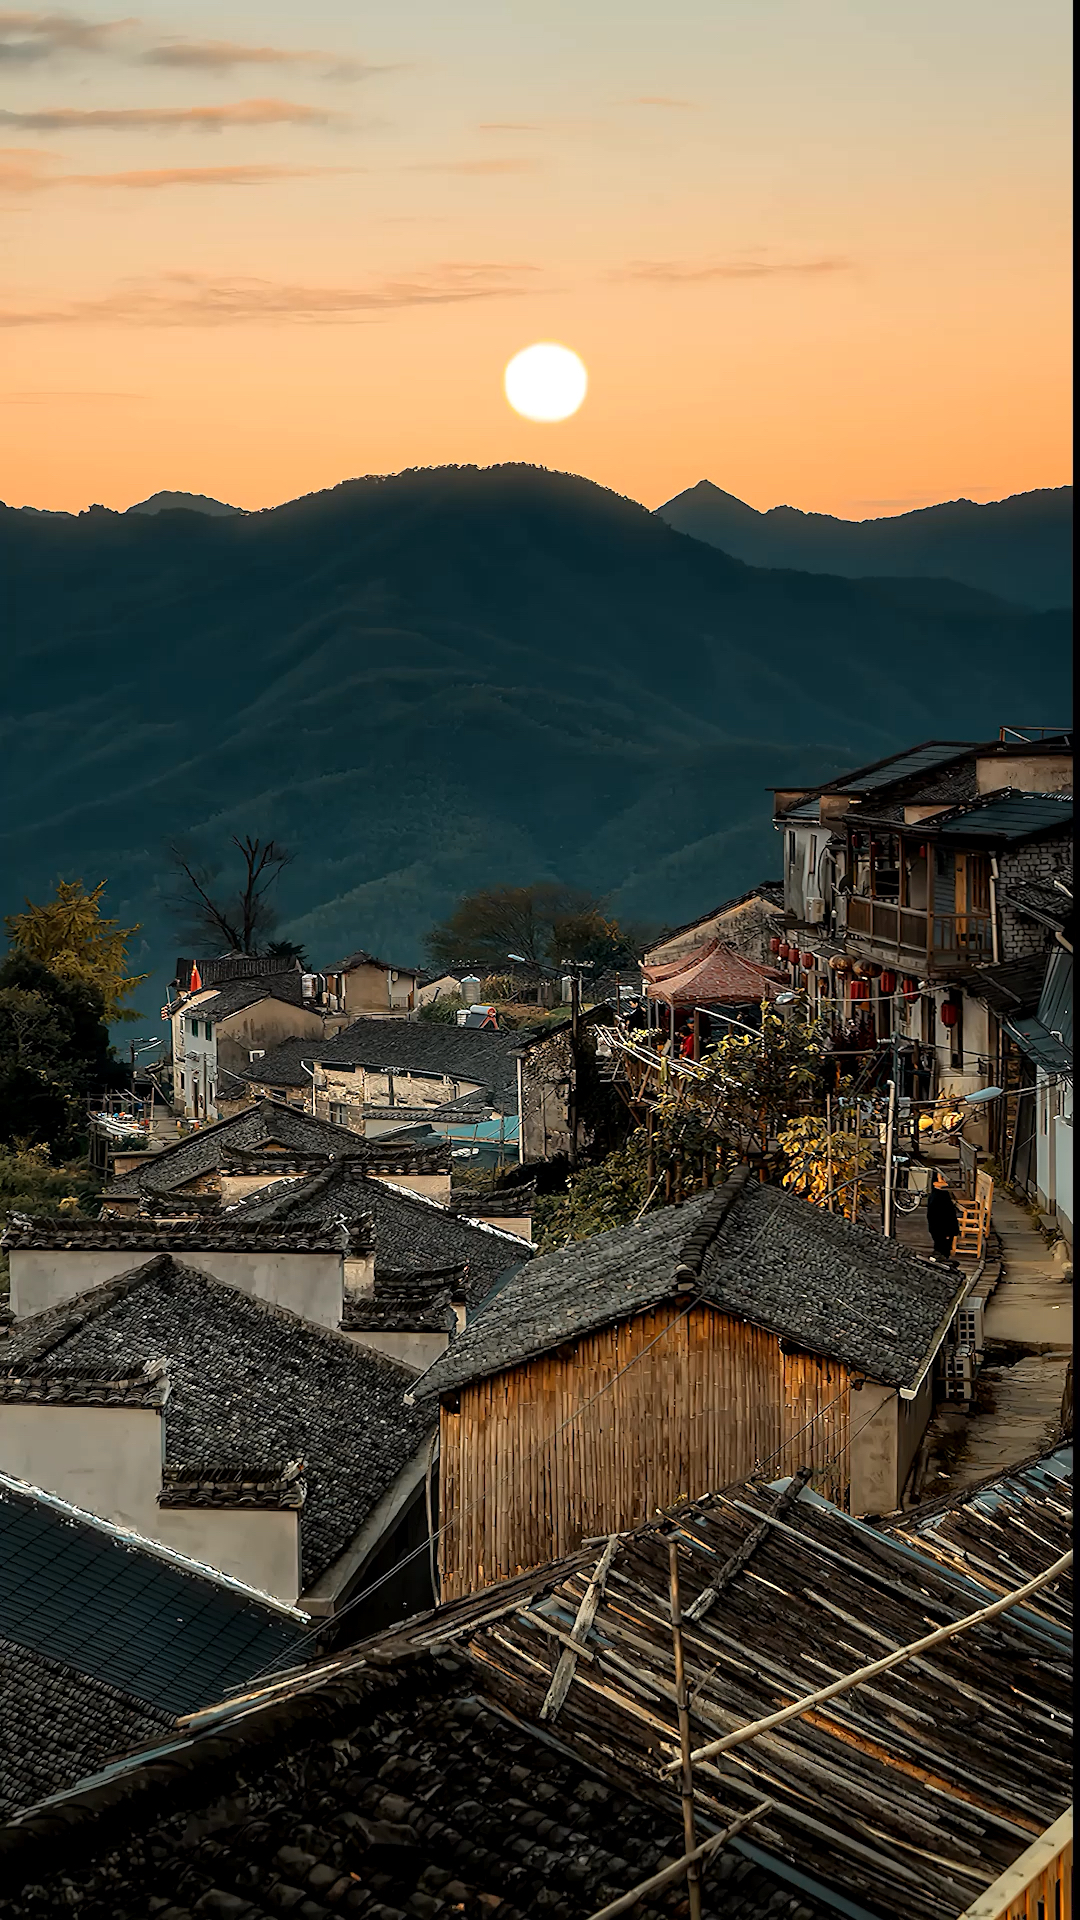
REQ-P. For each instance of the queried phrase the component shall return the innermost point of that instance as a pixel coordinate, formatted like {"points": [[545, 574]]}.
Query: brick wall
{"points": [[1044, 860]]}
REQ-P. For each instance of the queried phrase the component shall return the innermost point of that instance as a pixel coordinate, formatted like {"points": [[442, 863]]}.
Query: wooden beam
{"points": [[586, 1614], [676, 1871]]}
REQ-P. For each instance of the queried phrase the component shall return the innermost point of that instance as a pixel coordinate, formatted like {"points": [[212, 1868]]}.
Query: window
{"points": [[791, 849], [194, 1029]]}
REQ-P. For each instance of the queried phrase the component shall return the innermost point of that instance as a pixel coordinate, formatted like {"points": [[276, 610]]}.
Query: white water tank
{"points": [[815, 910]]}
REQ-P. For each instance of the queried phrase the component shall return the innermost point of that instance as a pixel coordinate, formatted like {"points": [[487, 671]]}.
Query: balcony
{"points": [[1039, 1883], [912, 934]]}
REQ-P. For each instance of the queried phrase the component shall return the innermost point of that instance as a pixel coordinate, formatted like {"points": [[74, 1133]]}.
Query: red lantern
{"points": [[950, 1013], [808, 962], [860, 990], [887, 983], [909, 988], [775, 943]]}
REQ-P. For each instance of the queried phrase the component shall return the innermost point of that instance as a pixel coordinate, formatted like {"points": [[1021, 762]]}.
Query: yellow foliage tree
{"points": [[820, 1163], [68, 935]]}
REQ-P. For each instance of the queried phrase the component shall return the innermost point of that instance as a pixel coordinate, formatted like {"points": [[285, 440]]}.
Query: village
{"points": [[570, 1437]]}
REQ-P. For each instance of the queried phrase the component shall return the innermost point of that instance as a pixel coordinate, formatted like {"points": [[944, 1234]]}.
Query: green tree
{"points": [[546, 925], [54, 1054], [69, 935], [750, 1083]]}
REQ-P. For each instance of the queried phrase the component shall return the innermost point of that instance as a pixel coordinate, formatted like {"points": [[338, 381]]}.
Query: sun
{"points": [[545, 382]]}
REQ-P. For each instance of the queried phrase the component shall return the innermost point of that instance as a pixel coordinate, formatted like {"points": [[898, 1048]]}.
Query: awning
{"points": [[1042, 1047]]}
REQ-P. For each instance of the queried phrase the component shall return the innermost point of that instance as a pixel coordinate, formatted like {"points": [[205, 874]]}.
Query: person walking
{"points": [[942, 1217]]}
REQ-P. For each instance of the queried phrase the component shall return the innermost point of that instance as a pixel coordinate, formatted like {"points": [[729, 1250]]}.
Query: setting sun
{"points": [[545, 382]]}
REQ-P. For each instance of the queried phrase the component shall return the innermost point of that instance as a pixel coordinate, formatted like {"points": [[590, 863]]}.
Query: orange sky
{"points": [[816, 250]]}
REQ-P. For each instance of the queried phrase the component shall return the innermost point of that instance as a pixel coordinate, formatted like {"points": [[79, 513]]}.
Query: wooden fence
{"points": [[1038, 1886]]}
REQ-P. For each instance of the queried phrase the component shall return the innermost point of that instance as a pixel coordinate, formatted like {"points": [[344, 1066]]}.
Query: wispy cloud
{"points": [[199, 300], [30, 39], [691, 273], [27, 170], [509, 164], [664, 100], [238, 113]]}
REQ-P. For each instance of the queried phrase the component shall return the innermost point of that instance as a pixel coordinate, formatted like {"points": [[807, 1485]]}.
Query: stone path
{"points": [[1027, 1328]]}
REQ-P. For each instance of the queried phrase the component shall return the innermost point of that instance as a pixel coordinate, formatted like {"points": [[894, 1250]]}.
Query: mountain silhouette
{"points": [[188, 502], [1019, 549], [449, 678]]}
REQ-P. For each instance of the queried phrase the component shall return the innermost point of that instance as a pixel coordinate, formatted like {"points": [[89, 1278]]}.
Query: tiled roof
{"points": [[431, 1047], [250, 1383], [771, 891], [232, 996], [61, 1724], [235, 966], [270, 1488], [1040, 899], [135, 1234], [104, 1637], [713, 974], [267, 1124], [406, 1302], [362, 959], [280, 1066], [409, 1227], [417, 1770], [758, 1253], [83, 1386]]}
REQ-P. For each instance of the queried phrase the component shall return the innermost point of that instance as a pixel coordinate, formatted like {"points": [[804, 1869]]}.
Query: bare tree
{"points": [[240, 914]]}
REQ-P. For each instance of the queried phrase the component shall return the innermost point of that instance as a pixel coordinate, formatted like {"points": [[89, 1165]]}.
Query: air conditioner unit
{"points": [[815, 910]]}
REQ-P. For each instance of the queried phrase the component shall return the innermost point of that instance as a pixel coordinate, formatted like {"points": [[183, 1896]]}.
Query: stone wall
{"points": [[1044, 860]]}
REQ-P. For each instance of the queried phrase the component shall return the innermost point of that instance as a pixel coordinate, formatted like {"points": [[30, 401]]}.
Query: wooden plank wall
{"points": [[712, 1400]]}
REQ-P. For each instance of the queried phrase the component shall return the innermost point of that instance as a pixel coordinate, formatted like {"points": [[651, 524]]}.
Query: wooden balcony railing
{"points": [[1038, 1886], [945, 936]]}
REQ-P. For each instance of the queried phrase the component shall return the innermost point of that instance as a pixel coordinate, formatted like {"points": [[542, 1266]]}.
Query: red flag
{"points": [[196, 982]]}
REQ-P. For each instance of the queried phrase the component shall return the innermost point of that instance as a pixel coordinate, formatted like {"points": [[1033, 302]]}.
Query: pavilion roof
{"points": [[713, 974]]}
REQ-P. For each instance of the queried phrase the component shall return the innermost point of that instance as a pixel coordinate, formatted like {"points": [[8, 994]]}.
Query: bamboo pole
{"points": [[675, 1872], [693, 1870], [828, 1148], [739, 1736], [858, 1143]]}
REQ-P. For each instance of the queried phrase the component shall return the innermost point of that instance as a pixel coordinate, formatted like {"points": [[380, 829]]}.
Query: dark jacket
{"points": [[941, 1215]]}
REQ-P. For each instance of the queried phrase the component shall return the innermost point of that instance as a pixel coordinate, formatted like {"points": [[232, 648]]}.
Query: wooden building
{"points": [[739, 1331]]}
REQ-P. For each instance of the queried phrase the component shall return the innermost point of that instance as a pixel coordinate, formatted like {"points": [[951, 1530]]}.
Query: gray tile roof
{"points": [[1040, 899], [362, 959], [232, 996], [386, 1790], [141, 1234], [406, 1302], [61, 1725], [104, 1637], [756, 1252], [434, 1728], [280, 1065], [251, 1384], [267, 1123], [409, 1228], [487, 1059]]}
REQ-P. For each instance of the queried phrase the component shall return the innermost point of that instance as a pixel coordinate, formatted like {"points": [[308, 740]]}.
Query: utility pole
{"points": [[890, 1131], [572, 1103]]}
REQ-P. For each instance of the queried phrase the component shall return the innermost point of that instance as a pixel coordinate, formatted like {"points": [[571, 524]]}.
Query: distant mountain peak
{"points": [[1017, 549], [165, 502]]}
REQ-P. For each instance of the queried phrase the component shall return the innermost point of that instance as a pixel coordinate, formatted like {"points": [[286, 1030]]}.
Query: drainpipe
{"points": [[309, 1067], [994, 944]]}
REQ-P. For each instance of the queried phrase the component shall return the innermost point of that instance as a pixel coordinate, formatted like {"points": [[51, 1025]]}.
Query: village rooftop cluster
{"points": [[372, 1546]]}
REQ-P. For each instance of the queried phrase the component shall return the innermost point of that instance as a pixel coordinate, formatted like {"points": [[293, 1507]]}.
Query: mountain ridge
{"points": [[1018, 548], [449, 678]]}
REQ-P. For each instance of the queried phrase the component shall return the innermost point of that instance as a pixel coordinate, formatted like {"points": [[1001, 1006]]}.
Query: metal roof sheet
{"points": [[121, 1610], [934, 754], [1056, 1001], [1008, 815]]}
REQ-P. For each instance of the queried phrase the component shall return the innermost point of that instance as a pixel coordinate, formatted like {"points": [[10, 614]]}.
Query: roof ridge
{"points": [[68, 1316], [697, 1243]]}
